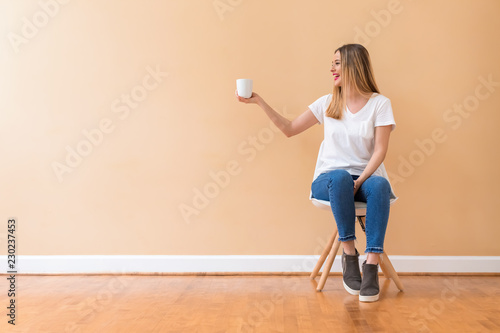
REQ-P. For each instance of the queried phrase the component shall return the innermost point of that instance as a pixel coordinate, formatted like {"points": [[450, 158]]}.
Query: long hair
{"points": [[357, 74]]}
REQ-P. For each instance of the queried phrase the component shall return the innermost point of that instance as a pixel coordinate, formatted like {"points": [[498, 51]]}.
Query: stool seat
{"points": [[358, 205]]}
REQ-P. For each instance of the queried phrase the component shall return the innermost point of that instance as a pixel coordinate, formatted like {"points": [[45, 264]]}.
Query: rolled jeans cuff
{"points": [[347, 238], [374, 250]]}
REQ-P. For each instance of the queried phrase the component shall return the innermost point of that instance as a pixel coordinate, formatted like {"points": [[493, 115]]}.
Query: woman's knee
{"points": [[378, 184], [340, 178]]}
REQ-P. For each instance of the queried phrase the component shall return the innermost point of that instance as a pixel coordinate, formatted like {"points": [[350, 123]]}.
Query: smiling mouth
{"points": [[336, 76]]}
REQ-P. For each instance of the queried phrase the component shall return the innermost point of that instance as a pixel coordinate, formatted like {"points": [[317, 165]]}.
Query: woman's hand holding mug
{"points": [[255, 98]]}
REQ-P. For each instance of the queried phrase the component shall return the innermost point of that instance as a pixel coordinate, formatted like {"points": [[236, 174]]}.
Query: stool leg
{"points": [[384, 269], [329, 263], [323, 256], [391, 271]]}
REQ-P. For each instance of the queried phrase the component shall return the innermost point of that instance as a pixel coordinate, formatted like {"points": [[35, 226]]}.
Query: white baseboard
{"points": [[51, 264]]}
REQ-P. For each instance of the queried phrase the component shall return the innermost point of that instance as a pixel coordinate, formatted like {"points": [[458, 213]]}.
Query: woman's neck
{"points": [[354, 96]]}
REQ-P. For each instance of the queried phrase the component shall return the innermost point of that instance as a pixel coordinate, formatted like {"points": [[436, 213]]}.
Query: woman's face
{"points": [[336, 70]]}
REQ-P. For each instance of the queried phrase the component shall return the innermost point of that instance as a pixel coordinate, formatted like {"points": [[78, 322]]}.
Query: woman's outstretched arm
{"points": [[288, 127]]}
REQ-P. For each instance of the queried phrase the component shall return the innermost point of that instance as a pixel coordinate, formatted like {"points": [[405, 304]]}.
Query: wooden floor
{"points": [[135, 303]]}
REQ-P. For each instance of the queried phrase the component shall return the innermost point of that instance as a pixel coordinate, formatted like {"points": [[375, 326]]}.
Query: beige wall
{"points": [[71, 73]]}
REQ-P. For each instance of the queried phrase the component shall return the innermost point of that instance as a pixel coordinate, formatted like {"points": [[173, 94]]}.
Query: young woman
{"points": [[357, 122]]}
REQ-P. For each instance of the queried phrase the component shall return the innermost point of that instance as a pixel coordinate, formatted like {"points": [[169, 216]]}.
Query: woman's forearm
{"points": [[281, 122], [373, 164]]}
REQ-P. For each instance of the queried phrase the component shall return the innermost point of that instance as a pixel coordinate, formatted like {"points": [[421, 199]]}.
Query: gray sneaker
{"points": [[369, 286], [351, 274]]}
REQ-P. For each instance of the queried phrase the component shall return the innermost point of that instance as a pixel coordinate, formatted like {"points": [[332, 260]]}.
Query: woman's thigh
{"points": [[319, 188]]}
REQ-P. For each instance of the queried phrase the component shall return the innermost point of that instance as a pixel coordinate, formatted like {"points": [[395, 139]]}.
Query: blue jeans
{"points": [[337, 186]]}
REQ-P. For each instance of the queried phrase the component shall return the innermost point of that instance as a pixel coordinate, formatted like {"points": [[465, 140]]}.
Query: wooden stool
{"points": [[333, 245]]}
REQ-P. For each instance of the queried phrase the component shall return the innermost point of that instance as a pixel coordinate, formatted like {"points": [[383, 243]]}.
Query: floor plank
{"points": [[230, 304]]}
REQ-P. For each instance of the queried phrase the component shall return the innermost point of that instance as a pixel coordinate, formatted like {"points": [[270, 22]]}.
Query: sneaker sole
{"points": [[373, 298], [349, 290]]}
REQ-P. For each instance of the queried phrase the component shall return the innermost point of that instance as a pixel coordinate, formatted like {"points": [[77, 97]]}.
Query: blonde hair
{"points": [[357, 74]]}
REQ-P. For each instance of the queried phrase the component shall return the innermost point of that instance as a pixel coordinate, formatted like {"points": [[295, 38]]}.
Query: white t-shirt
{"points": [[349, 142]]}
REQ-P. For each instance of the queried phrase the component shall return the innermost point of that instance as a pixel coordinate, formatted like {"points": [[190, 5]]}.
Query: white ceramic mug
{"points": [[244, 87]]}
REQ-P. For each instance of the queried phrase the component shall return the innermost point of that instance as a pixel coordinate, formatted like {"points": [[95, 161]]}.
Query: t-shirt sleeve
{"points": [[318, 108], [384, 115]]}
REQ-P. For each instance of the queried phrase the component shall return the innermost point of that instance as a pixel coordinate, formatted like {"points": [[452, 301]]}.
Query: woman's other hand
{"points": [[357, 185]]}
